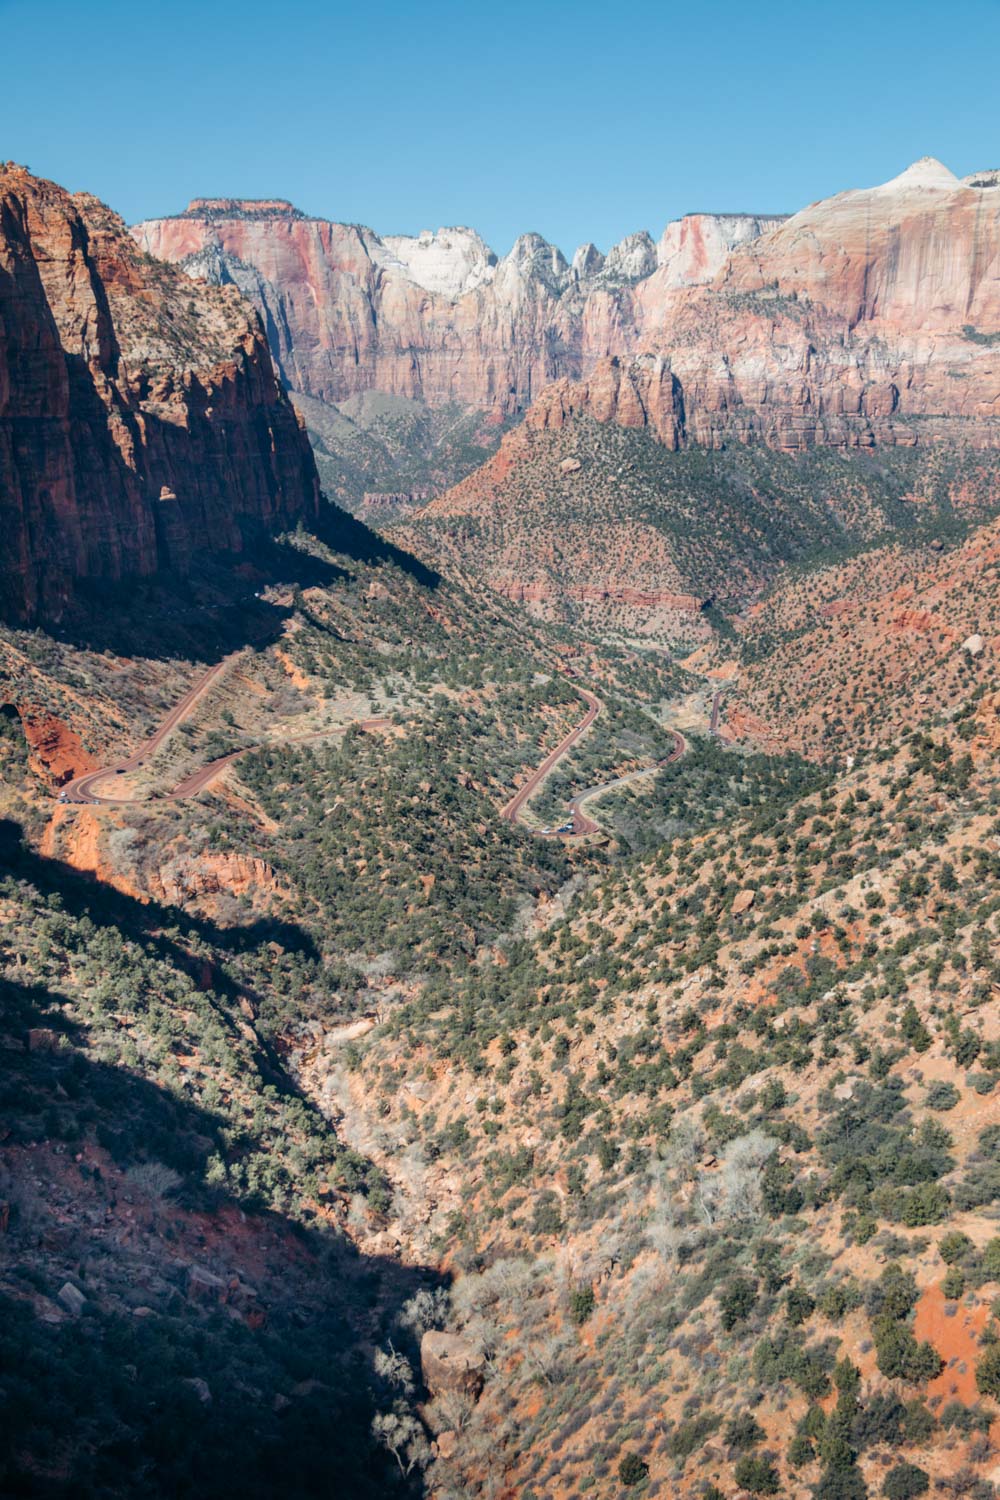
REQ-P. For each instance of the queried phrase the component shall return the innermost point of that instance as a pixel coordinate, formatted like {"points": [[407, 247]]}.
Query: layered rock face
{"points": [[871, 317], [140, 417], [435, 317]]}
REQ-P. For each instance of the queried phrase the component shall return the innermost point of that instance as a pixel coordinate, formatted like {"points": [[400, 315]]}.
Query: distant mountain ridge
{"points": [[435, 317], [866, 318]]}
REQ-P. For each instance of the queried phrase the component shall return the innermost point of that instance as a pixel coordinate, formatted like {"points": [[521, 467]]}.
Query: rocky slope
{"points": [[588, 514], [140, 417], [868, 646], [436, 317], [692, 1152], [872, 317]]}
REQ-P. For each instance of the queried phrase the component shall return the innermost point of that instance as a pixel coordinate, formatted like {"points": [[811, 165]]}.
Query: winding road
{"points": [[582, 825], [512, 810], [82, 789]]}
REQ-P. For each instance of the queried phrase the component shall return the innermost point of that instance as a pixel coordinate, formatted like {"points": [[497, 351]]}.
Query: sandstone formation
{"points": [[449, 1362], [437, 317], [140, 417], [871, 317]]}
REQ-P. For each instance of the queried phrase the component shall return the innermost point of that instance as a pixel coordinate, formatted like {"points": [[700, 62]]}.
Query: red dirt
{"points": [[956, 1339]]}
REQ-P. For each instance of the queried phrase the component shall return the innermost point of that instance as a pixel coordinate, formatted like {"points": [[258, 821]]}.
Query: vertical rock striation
{"points": [[871, 317], [436, 317], [140, 417]]}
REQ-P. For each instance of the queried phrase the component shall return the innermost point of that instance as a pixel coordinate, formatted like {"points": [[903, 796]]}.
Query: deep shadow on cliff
{"points": [[158, 928], [207, 1346], [216, 606]]}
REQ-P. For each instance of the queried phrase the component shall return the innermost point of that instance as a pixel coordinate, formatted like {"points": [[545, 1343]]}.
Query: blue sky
{"points": [[581, 121]]}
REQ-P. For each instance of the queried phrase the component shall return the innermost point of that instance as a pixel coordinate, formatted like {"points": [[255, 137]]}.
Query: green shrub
{"points": [[581, 1304], [904, 1481], [988, 1373], [954, 1246], [758, 1475], [736, 1302], [899, 1356], [991, 1259], [927, 1204], [953, 1284], [744, 1431], [800, 1451], [799, 1306], [632, 1469]]}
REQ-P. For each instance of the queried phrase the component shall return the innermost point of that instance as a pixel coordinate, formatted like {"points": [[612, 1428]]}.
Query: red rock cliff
{"points": [[870, 317], [140, 416], [436, 316]]}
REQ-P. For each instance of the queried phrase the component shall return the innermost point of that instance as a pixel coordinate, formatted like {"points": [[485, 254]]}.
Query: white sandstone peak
{"points": [[928, 172], [632, 258], [694, 249], [447, 262], [587, 260]]}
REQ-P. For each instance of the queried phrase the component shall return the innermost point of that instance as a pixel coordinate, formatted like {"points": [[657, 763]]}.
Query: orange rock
{"points": [[149, 453], [56, 751]]}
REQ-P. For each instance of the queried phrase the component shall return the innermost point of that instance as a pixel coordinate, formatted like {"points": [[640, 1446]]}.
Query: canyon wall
{"points": [[140, 417], [434, 317], [871, 317]]}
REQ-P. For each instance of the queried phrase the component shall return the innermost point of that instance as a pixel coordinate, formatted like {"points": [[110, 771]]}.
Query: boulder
{"points": [[974, 645], [42, 1039], [450, 1362], [447, 1445], [204, 1286], [570, 466], [72, 1299], [743, 902]]}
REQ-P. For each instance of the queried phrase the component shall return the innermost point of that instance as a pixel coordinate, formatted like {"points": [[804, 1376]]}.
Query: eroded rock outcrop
{"points": [[871, 317], [140, 417], [450, 1362], [437, 316]]}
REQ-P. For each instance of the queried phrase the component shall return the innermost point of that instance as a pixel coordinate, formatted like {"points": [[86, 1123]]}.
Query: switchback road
{"points": [[199, 780], [582, 824], [83, 789], [512, 810]]}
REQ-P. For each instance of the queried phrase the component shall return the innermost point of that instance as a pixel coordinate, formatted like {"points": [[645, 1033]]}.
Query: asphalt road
{"points": [[534, 781], [582, 824], [82, 789]]}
